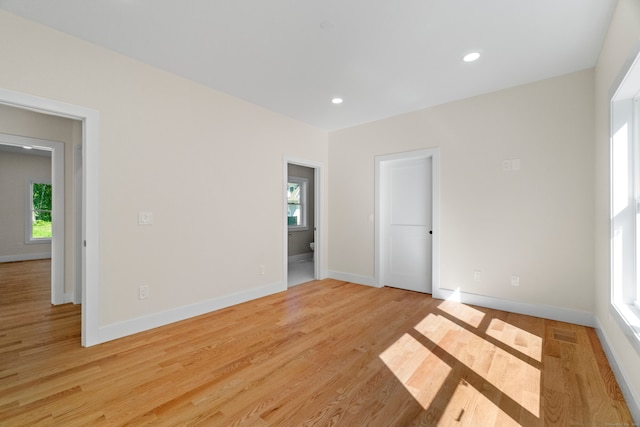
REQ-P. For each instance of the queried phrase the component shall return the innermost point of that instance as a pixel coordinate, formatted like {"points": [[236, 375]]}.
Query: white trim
{"points": [[434, 154], [144, 323], [624, 255], [91, 162], [354, 278], [546, 312], [25, 257], [68, 297], [631, 397], [625, 315], [568, 315], [57, 181], [319, 202], [78, 222]]}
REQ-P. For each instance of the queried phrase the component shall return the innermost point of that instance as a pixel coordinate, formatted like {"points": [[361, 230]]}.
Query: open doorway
{"points": [[87, 121], [302, 219], [33, 190]]}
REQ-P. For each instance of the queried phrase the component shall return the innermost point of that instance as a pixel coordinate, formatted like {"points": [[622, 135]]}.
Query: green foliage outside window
{"points": [[41, 213]]}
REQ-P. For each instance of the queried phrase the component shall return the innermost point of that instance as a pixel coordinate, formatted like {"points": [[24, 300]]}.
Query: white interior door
{"points": [[407, 223]]}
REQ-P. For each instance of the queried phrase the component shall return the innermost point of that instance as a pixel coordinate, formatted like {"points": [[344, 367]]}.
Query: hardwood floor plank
{"points": [[322, 353]]}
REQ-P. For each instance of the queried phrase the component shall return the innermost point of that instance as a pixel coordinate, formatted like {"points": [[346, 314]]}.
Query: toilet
{"points": [[312, 245]]}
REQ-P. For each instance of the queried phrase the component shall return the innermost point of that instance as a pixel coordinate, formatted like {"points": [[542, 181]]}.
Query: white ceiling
{"points": [[384, 57]]}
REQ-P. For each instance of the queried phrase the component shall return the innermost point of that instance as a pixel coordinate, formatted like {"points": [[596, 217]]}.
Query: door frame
{"points": [[380, 210], [56, 149], [318, 173], [90, 119]]}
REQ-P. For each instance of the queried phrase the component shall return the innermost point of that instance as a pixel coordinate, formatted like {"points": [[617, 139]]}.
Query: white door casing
{"points": [[90, 199]]}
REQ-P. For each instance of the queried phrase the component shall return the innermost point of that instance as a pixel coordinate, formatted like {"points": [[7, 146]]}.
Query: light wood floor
{"points": [[323, 353]]}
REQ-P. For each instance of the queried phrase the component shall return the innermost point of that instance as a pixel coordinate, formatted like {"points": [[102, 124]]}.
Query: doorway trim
{"points": [[434, 154], [90, 201], [56, 149], [318, 173]]}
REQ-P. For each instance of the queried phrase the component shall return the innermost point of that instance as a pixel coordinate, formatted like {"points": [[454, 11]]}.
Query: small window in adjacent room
{"points": [[297, 203], [39, 206], [625, 203]]}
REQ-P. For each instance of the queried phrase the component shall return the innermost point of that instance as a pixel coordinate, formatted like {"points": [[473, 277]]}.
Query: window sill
{"points": [[628, 318], [37, 241]]}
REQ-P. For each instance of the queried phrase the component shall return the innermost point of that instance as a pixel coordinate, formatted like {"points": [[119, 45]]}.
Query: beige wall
{"points": [[299, 240], [16, 171], [15, 121], [536, 222], [172, 147], [622, 39]]}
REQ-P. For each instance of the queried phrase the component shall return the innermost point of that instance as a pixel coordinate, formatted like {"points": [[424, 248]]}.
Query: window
{"points": [[38, 221], [625, 204], [297, 203]]}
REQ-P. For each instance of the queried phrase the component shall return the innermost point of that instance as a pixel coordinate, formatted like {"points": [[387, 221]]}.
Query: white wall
{"points": [[622, 39], [15, 121], [16, 171], [536, 222], [172, 147]]}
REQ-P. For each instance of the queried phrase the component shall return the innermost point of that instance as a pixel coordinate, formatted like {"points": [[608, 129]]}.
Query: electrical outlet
{"points": [[476, 275], [145, 218], [143, 292], [515, 280]]}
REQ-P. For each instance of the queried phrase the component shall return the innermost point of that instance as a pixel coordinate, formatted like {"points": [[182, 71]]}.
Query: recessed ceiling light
{"points": [[470, 57], [337, 100], [26, 147]]}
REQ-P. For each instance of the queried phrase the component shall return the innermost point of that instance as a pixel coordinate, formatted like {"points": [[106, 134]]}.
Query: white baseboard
{"points": [[354, 278], [547, 312], [568, 315], [632, 399], [68, 297], [300, 257], [133, 326], [25, 257]]}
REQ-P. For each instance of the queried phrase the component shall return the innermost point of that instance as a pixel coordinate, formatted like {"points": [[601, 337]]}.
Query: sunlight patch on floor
{"points": [[505, 371], [467, 314], [516, 338], [420, 371]]}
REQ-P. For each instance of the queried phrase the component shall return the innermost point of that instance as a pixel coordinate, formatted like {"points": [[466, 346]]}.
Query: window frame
{"points": [[624, 158], [304, 191], [29, 209]]}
